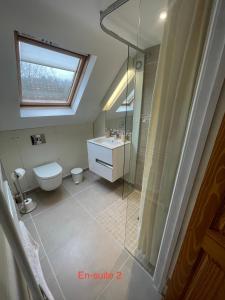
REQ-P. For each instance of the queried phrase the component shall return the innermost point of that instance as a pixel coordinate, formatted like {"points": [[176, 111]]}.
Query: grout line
{"points": [[76, 193], [48, 208], [109, 207], [118, 243], [112, 237], [25, 219], [124, 238], [111, 281], [125, 201], [95, 219], [49, 262], [122, 247], [67, 198], [62, 185]]}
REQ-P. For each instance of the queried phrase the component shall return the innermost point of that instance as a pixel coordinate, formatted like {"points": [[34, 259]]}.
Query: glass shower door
{"points": [[131, 191], [169, 111]]}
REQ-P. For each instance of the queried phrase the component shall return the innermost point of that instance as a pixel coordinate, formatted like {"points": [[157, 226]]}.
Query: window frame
{"points": [[129, 103], [76, 79]]}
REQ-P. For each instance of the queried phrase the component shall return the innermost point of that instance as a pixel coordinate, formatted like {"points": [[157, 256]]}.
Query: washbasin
{"points": [[110, 142]]}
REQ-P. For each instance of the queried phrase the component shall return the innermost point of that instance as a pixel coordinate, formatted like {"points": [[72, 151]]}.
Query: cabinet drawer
{"points": [[99, 152], [101, 168]]}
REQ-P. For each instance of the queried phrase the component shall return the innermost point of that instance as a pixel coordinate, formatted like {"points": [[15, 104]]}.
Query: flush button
{"points": [[38, 139]]}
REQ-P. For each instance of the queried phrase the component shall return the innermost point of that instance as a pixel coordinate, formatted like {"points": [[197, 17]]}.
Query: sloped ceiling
{"points": [[73, 25]]}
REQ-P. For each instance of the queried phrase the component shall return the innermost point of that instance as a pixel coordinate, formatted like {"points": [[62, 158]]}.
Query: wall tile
{"points": [[148, 86]]}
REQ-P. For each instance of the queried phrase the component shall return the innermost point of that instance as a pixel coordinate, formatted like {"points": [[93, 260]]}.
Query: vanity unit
{"points": [[109, 157]]}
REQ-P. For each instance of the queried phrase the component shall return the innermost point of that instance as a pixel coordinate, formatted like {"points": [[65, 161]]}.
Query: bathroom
{"points": [[95, 105]]}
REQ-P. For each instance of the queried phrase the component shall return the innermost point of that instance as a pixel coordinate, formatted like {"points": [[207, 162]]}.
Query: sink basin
{"points": [[110, 142]]}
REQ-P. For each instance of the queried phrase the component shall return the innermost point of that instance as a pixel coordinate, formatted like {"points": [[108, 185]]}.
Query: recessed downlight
{"points": [[163, 15]]}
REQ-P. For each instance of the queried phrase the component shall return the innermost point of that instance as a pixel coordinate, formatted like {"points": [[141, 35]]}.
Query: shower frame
{"points": [[104, 13], [208, 87]]}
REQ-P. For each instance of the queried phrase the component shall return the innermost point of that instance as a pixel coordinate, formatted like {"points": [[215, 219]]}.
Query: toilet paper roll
{"points": [[28, 203], [18, 173]]}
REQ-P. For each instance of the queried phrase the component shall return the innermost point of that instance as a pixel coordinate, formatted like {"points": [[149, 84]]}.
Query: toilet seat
{"points": [[48, 171]]}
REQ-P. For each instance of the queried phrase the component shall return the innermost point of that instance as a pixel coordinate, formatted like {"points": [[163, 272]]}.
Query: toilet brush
{"points": [[27, 204]]}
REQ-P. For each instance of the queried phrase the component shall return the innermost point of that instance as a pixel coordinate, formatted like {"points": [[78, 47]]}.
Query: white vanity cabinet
{"points": [[108, 158]]}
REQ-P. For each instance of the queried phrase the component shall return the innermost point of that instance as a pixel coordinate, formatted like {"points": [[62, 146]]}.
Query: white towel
{"points": [[31, 248]]}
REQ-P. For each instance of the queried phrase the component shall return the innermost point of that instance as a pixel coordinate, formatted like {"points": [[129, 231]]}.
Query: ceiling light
{"points": [[163, 15]]}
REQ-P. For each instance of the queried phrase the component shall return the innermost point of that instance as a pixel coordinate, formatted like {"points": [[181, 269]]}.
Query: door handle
{"points": [[100, 162]]}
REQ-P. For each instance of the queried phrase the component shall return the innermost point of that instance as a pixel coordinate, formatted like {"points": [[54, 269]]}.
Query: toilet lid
{"points": [[48, 171]]}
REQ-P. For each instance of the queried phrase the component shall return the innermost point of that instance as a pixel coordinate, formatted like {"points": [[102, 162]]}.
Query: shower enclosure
{"points": [[153, 110], [131, 112]]}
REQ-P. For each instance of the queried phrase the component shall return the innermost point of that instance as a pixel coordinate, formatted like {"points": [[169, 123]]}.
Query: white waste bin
{"points": [[77, 175]]}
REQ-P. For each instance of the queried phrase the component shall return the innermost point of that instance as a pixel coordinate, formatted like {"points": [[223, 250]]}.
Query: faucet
{"points": [[114, 133], [117, 134]]}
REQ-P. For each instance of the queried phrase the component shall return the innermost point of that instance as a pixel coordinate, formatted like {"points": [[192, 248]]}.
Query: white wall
{"points": [[73, 25], [64, 144], [100, 124]]}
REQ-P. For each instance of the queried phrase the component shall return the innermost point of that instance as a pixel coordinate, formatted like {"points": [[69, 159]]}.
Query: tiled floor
{"points": [[68, 226], [121, 220]]}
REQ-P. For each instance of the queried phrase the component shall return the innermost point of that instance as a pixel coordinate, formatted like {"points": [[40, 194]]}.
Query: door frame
{"points": [[204, 240], [211, 77]]}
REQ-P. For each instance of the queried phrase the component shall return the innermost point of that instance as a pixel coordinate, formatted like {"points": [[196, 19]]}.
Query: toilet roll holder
{"points": [[27, 205]]}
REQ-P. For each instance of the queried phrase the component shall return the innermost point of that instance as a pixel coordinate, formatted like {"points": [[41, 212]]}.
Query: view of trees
{"points": [[45, 83]]}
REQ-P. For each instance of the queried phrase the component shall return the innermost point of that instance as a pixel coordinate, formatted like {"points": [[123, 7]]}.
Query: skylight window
{"points": [[126, 79], [48, 75], [129, 99], [127, 104]]}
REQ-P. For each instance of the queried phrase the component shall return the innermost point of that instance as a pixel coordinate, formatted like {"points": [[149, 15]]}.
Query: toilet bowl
{"points": [[49, 176]]}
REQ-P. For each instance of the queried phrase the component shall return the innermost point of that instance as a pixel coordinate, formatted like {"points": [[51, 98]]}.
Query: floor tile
{"points": [[61, 223], [134, 284], [24, 217], [88, 179], [92, 251], [106, 186], [95, 200], [46, 200], [90, 176], [121, 220], [78, 226], [51, 280]]}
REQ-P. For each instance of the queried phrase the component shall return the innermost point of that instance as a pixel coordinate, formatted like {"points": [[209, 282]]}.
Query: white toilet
{"points": [[49, 176]]}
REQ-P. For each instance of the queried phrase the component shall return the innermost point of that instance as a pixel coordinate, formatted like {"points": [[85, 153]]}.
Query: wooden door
{"points": [[199, 273]]}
